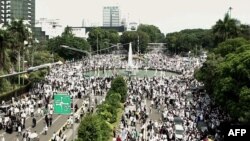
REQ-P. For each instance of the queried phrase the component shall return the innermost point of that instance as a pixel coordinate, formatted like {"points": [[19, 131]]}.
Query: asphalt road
{"points": [[57, 123]]}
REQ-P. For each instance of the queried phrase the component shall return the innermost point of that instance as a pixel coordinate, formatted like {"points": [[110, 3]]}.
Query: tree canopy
{"points": [[92, 129], [229, 28], [67, 38], [226, 75], [189, 40], [92, 126], [134, 36], [101, 39], [154, 33]]}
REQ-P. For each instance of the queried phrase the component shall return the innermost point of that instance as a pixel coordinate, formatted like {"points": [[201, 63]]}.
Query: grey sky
{"points": [[168, 15]]}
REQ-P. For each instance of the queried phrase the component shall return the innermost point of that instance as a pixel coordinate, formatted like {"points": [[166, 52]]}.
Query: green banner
{"points": [[62, 104]]}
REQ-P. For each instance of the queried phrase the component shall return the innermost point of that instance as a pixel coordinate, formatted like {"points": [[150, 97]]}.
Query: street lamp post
{"points": [[138, 44], [19, 59], [23, 68], [25, 44], [97, 44], [33, 50], [31, 69]]}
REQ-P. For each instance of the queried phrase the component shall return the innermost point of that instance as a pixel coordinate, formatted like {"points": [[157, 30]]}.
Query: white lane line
{"points": [[37, 122], [52, 123], [60, 116]]}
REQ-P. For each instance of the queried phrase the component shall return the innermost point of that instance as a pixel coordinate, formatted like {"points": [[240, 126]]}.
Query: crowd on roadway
{"points": [[185, 112], [39, 101], [172, 97]]}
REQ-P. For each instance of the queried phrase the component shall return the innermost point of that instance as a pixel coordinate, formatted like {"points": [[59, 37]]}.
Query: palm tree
{"points": [[5, 39], [20, 32], [226, 29]]}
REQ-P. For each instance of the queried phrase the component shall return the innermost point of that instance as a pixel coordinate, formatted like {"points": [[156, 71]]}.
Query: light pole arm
{"points": [[31, 69]]}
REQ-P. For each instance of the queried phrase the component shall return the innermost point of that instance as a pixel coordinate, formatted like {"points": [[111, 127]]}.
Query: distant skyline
{"points": [[168, 15]]}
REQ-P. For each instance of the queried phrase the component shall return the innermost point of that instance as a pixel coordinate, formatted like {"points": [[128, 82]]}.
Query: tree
{"points": [[245, 31], [114, 99], [226, 76], [133, 36], [103, 38], [42, 57], [4, 84], [154, 33], [226, 29], [92, 128], [229, 46], [107, 112], [118, 85], [189, 40], [67, 38], [4, 44]]}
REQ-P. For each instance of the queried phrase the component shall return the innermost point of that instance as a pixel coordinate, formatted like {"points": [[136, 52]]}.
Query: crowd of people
{"points": [[171, 98], [185, 111]]}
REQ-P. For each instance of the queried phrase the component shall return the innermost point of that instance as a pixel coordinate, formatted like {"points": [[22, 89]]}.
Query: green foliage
{"points": [[226, 75], [119, 85], [245, 31], [4, 44], [229, 28], [226, 29], [70, 40], [107, 112], [189, 40], [113, 99], [104, 38], [42, 57], [229, 46], [132, 36], [37, 76], [12, 39], [154, 33], [18, 30], [4, 84], [93, 128], [97, 127]]}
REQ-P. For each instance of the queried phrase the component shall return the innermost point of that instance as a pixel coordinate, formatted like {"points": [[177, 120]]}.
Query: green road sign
{"points": [[62, 104]]}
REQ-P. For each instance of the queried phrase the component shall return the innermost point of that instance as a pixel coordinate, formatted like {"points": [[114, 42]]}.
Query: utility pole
{"points": [[23, 66], [97, 45], [19, 59], [230, 10], [138, 44], [32, 56]]}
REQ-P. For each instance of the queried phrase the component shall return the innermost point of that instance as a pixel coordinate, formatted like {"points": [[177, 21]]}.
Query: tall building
{"points": [[111, 16], [51, 27], [17, 9]]}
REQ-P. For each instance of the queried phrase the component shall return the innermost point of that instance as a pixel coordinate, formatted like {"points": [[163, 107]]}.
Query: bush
{"points": [[91, 129], [37, 76], [4, 84], [98, 127], [119, 85]]}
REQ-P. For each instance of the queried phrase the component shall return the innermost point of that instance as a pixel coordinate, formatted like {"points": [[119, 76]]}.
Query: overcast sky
{"points": [[168, 15]]}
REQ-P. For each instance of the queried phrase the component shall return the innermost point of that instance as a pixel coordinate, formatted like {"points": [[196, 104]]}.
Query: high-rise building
{"points": [[51, 27], [17, 9], [111, 16]]}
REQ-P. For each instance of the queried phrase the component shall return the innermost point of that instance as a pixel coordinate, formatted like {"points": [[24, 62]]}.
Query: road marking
{"points": [[60, 116], [52, 123], [36, 122]]}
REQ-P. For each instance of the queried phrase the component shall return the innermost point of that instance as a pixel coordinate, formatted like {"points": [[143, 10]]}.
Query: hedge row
{"points": [[97, 126]]}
